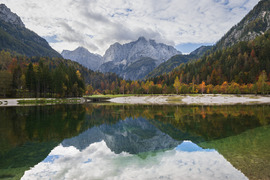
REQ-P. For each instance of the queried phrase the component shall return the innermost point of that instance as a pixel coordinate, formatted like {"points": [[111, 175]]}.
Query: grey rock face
{"points": [[241, 35], [84, 57], [136, 50], [136, 59], [255, 23], [115, 53], [114, 67], [136, 70], [132, 61], [10, 17]]}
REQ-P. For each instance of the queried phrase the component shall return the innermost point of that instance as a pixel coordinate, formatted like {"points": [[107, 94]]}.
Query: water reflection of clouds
{"points": [[187, 161], [188, 146]]}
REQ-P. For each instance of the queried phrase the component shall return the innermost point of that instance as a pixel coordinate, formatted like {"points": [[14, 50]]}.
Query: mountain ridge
{"points": [[135, 50], [84, 57], [120, 58], [255, 23], [10, 17], [241, 60], [15, 37], [176, 60]]}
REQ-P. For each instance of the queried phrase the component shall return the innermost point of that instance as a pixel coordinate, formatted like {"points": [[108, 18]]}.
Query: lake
{"points": [[105, 141]]}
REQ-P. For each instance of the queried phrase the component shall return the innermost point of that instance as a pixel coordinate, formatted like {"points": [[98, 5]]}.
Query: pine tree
{"points": [[30, 78]]}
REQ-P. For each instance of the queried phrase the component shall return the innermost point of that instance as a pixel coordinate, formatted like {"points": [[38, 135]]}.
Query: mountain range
{"points": [[134, 51], [145, 59], [132, 60], [17, 38], [135, 60]]}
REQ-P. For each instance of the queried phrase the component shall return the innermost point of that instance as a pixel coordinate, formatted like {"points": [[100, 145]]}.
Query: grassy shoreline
{"points": [[49, 101]]}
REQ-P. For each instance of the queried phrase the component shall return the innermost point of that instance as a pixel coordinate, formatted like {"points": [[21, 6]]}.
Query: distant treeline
{"points": [[178, 87], [22, 79], [21, 76]]}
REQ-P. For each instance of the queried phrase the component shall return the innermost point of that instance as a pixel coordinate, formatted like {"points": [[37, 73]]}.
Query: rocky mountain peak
{"points": [[117, 44], [132, 60], [141, 38], [137, 49], [84, 57], [81, 49], [17, 38], [10, 17], [135, 59]]}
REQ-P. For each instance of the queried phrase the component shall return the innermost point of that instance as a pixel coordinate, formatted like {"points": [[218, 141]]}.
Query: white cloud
{"points": [[96, 24], [98, 162]]}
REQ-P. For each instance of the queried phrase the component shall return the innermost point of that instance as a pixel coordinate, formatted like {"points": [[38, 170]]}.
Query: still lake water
{"points": [[135, 142]]}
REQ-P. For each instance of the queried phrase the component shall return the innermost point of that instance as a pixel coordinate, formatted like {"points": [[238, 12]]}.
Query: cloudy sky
{"points": [[96, 24]]}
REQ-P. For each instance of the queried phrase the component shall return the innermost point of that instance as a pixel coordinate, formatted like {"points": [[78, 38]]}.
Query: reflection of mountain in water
{"points": [[131, 135]]}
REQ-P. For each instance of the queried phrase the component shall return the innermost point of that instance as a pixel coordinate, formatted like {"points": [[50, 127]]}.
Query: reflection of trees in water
{"points": [[44, 123], [207, 122], [39, 123], [28, 134]]}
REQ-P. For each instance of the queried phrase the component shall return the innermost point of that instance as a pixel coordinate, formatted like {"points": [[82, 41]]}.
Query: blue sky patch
{"points": [[187, 48], [51, 39]]}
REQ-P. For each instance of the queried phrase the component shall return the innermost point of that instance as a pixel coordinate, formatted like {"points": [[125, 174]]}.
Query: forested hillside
{"points": [[47, 77], [169, 65], [242, 64]]}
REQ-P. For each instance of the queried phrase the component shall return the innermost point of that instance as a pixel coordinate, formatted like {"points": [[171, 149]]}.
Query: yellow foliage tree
{"points": [[177, 84]]}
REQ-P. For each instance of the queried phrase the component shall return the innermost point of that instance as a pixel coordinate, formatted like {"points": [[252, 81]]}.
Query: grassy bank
{"points": [[48, 101], [129, 95]]}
